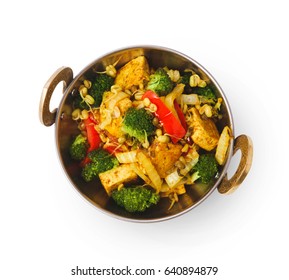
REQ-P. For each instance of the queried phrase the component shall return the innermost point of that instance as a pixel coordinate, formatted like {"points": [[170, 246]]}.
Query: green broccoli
{"points": [[160, 82], [205, 169], [79, 103], [138, 123], [135, 199], [185, 79], [101, 83], [78, 148], [101, 161], [206, 92]]}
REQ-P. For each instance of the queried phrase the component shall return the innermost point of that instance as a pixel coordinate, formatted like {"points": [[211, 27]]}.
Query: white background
{"points": [[47, 228]]}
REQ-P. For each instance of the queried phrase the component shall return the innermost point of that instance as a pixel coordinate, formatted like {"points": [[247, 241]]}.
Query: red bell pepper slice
{"points": [[93, 137], [180, 115], [112, 148], [171, 124]]}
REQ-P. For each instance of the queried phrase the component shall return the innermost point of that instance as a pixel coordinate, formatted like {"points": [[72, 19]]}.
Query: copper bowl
{"points": [[66, 128]]}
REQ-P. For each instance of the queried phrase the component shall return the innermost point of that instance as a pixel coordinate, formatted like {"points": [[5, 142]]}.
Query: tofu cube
{"points": [[111, 179], [205, 132], [133, 73]]}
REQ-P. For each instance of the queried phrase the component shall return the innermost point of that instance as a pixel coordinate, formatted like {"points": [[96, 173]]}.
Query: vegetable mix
{"points": [[148, 134]]}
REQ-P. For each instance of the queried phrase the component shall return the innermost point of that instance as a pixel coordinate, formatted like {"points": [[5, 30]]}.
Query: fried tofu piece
{"points": [[164, 155], [133, 73], [121, 174], [205, 132]]}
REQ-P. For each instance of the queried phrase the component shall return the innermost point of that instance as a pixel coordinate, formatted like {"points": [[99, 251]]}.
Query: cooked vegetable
{"points": [[196, 81], [146, 163], [160, 82], [79, 147], [92, 135], [110, 115], [136, 199], [172, 97], [138, 123], [191, 99], [173, 193], [100, 84], [101, 161], [156, 130], [180, 114], [138, 170], [188, 162], [185, 79], [171, 124], [206, 92], [126, 157], [205, 169], [223, 145], [79, 102]]}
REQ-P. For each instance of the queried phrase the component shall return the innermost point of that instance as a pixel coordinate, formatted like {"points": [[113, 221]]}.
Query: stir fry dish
{"points": [[148, 134]]}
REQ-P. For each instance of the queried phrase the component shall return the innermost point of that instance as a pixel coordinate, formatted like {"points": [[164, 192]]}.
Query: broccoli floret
{"points": [[79, 103], [101, 161], [205, 169], [138, 123], [160, 82], [185, 78], [206, 92], [101, 83], [135, 199], [78, 148]]}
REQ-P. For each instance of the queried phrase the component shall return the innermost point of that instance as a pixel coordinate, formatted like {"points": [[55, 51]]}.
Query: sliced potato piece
{"points": [[126, 157], [150, 170], [223, 145], [191, 160], [179, 189], [172, 96], [135, 167]]}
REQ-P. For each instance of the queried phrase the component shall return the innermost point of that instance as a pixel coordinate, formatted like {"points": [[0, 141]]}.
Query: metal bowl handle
{"points": [[64, 74], [245, 144]]}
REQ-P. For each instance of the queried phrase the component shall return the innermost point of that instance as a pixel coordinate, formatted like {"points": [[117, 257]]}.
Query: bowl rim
{"points": [[212, 79]]}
